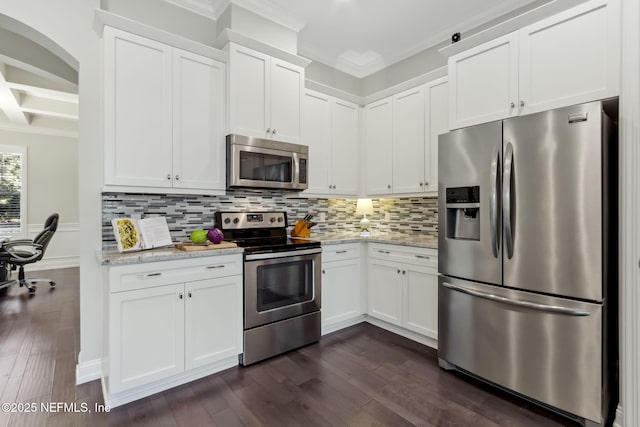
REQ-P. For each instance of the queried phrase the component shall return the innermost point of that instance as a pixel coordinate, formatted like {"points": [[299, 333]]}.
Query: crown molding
{"points": [[208, 8], [229, 36], [508, 26], [272, 12]]}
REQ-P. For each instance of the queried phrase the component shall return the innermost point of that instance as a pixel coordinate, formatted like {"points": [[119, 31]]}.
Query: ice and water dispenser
{"points": [[463, 213]]}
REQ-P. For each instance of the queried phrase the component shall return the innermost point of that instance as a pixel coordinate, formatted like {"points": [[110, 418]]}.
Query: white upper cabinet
{"points": [[163, 104], [316, 133], [378, 147], [344, 148], [436, 123], [484, 83], [401, 140], [409, 143], [138, 110], [198, 124], [265, 95], [569, 58], [330, 129]]}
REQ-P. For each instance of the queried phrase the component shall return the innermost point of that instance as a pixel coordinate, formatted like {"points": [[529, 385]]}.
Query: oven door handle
{"points": [[272, 255]]}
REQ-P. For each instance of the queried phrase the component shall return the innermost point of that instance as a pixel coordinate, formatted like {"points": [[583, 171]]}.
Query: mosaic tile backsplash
{"points": [[185, 213]]}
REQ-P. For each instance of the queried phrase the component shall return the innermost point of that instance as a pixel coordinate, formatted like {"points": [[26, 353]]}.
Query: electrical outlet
{"points": [[387, 216], [323, 217]]}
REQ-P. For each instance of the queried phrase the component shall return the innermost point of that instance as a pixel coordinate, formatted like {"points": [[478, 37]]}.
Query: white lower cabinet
{"points": [[341, 287], [403, 288], [169, 323]]}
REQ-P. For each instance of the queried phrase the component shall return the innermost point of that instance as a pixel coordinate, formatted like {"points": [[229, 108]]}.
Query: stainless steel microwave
{"points": [[254, 163]]}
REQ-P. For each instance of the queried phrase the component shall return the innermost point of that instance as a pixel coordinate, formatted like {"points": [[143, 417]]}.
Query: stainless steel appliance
{"points": [[282, 283], [254, 163], [527, 295]]}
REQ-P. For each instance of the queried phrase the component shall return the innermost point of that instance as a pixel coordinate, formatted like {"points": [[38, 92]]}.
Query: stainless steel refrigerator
{"points": [[527, 295]]}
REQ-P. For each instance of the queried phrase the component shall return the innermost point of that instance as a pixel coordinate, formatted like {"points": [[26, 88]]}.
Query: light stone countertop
{"points": [[113, 257], [420, 241]]}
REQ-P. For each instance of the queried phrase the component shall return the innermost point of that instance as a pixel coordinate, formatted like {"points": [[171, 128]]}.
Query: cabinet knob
{"points": [[323, 272], [169, 177], [177, 177], [273, 132], [420, 184], [398, 271], [389, 186], [180, 295], [189, 294], [268, 130], [522, 103], [426, 183], [334, 186], [330, 186], [404, 271], [513, 105]]}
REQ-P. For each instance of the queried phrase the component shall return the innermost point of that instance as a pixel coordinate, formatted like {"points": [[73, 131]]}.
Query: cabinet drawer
{"points": [[140, 276], [405, 254], [340, 251]]}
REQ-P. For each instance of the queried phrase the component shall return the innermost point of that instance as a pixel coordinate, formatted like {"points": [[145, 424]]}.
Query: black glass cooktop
{"points": [[274, 244]]}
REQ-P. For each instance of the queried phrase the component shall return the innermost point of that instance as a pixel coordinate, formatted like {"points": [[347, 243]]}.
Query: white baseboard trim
{"points": [[428, 341], [327, 329], [88, 371], [127, 396], [618, 421]]}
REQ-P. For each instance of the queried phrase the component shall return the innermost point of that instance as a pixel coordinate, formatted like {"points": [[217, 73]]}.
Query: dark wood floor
{"points": [[360, 376]]}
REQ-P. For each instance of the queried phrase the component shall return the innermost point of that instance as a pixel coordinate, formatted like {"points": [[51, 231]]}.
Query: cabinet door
{"points": [[146, 336], [344, 148], [249, 74], [138, 110], [287, 86], [378, 147], [483, 83], [421, 300], [198, 122], [408, 141], [437, 123], [385, 291], [213, 320], [570, 58], [340, 291], [316, 133]]}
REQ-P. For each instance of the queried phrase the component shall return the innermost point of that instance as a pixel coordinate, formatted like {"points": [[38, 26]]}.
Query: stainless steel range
{"points": [[282, 285]]}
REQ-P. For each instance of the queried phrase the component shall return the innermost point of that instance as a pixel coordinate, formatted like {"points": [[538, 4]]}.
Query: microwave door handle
{"points": [[508, 199], [296, 170], [493, 204]]}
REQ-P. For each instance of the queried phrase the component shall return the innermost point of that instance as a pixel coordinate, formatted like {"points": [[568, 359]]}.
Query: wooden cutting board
{"points": [[197, 247]]}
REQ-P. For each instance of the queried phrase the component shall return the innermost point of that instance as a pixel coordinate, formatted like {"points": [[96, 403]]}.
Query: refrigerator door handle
{"points": [[507, 199], [493, 206], [527, 304]]}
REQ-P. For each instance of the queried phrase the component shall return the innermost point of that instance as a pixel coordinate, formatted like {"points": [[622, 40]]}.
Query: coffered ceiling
{"points": [[361, 37]]}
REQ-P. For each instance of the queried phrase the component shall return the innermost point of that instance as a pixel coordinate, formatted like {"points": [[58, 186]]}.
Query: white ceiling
{"points": [[361, 37]]}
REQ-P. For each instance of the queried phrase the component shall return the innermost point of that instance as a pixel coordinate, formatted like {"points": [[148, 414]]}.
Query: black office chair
{"points": [[18, 253]]}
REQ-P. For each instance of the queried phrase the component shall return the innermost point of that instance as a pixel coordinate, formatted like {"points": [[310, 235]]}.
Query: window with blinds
{"points": [[12, 190]]}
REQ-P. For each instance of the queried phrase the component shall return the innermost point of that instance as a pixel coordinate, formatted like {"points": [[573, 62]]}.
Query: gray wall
{"points": [[321, 73]]}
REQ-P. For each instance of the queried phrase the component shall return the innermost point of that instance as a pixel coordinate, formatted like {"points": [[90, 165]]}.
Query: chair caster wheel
{"points": [[32, 290]]}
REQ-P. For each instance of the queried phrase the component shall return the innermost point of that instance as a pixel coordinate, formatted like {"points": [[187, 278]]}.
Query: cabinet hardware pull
{"points": [[420, 184], [522, 103], [169, 177], [513, 105], [189, 294], [268, 130], [177, 177], [426, 183], [152, 274], [216, 266], [273, 132], [181, 296], [423, 257], [323, 272], [341, 252], [398, 271], [404, 271], [383, 252], [389, 186]]}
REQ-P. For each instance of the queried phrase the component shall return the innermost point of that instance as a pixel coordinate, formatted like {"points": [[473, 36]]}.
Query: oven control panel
{"points": [[247, 220]]}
